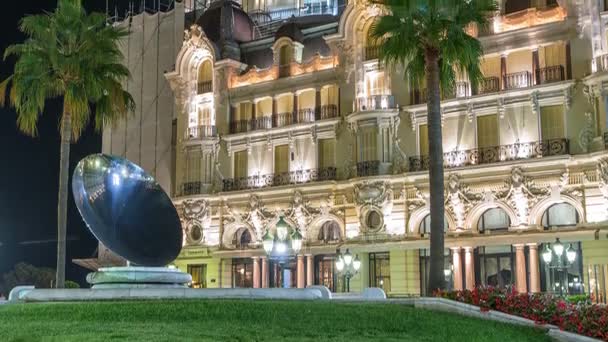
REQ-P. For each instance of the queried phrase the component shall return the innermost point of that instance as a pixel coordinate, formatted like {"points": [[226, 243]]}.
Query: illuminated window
{"points": [[379, 271], [281, 159], [560, 215], [552, 122], [242, 238], [199, 276], [205, 78], [423, 140], [240, 164], [493, 219], [329, 232], [487, 131]]}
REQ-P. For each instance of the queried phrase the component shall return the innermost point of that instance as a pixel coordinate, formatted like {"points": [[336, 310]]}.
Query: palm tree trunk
{"points": [[62, 205], [436, 275]]}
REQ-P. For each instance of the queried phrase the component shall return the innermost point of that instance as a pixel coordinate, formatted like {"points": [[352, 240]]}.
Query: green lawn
{"points": [[234, 320]]}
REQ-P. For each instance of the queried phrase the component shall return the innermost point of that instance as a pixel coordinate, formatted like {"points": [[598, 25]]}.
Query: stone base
{"points": [[138, 277]]}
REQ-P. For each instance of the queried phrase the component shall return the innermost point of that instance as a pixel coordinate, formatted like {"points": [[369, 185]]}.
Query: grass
{"points": [[234, 320]]}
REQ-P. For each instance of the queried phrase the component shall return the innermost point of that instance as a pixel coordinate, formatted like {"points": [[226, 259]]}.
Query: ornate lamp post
{"points": [[277, 246], [347, 266], [561, 262]]}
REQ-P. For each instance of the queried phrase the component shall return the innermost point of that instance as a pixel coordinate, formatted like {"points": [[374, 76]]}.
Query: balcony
{"points": [[191, 188], [204, 87], [489, 85], [376, 102], [601, 63], [242, 126], [550, 74], [329, 111], [286, 178], [372, 52], [518, 80], [201, 132], [496, 154], [368, 168]]}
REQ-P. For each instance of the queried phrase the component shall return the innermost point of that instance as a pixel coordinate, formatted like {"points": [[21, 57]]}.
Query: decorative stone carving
{"points": [[196, 218], [374, 204], [255, 216], [602, 177], [522, 194], [459, 199], [417, 201], [534, 103], [587, 134], [500, 103]]}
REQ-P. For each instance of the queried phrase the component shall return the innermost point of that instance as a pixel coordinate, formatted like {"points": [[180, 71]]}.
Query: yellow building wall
{"points": [[595, 252], [405, 272], [213, 268]]}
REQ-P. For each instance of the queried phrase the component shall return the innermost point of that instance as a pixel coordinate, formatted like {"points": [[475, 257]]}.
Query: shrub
{"points": [[575, 314], [69, 284]]}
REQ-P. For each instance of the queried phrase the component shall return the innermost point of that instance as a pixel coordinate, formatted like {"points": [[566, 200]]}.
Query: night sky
{"points": [[30, 167]]}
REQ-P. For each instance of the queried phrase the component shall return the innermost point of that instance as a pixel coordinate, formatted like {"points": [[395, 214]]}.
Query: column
{"points": [[568, 61], [274, 112], [534, 268], [520, 269], [457, 268], [469, 267], [503, 71], [300, 269], [318, 110], [295, 118], [256, 272], [309, 270], [254, 105], [535, 66], [264, 272]]}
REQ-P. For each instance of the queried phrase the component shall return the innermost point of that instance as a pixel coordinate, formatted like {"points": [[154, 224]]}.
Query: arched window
{"points": [[512, 6], [242, 238], [329, 232], [425, 225], [284, 60], [560, 215], [205, 78], [493, 219]]}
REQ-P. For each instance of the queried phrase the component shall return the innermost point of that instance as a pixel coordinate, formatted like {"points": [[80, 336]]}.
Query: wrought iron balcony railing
{"points": [[518, 80], [550, 74], [285, 178], [305, 115], [376, 102], [248, 125], [372, 52], [327, 112], [204, 87], [200, 132], [489, 85], [191, 188], [368, 168], [495, 154]]}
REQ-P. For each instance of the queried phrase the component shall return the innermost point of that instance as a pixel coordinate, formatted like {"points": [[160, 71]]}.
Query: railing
{"points": [[489, 85], [495, 154], [327, 112], [305, 115], [282, 119], [199, 132], [285, 178], [372, 52], [550, 74], [191, 188], [204, 87], [241, 126], [602, 62], [376, 102], [368, 168], [417, 96], [518, 80], [463, 89]]}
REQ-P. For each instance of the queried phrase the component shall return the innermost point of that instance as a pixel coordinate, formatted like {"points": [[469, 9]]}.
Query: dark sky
{"points": [[30, 166]]}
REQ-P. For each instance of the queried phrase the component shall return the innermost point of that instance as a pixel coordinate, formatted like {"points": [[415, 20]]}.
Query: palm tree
{"points": [[430, 39], [74, 56]]}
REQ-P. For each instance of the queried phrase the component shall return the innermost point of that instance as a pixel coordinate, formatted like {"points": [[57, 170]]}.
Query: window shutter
{"points": [[552, 122], [423, 133], [487, 131], [281, 159], [240, 164]]}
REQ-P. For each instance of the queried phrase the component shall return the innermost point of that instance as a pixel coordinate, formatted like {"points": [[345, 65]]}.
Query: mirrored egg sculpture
{"points": [[127, 210]]}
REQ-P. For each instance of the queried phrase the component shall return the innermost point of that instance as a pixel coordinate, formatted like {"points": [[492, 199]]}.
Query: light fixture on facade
{"points": [[280, 243], [347, 266], [554, 259]]}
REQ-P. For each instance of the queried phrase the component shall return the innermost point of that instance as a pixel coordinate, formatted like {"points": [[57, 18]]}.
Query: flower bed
{"points": [[580, 317]]}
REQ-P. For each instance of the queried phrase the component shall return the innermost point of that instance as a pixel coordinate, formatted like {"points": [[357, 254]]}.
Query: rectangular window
{"points": [[242, 273], [552, 122], [380, 271], [199, 276], [327, 150], [368, 146], [423, 140], [281, 159], [240, 164], [376, 84], [194, 167], [487, 131], [244, 111]]}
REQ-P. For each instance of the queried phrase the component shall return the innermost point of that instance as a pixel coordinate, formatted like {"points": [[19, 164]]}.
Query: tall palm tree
{"points": [[74, 56], [430, 39]]}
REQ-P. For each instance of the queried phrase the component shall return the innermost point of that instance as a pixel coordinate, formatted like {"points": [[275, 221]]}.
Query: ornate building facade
{"points": [[283, 110]]}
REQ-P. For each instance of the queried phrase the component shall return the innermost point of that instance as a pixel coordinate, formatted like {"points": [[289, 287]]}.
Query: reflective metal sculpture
{"points": [[127, 210]]}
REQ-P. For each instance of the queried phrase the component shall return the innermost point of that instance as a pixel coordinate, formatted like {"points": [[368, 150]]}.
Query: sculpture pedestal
{"points": [[138, 277]]}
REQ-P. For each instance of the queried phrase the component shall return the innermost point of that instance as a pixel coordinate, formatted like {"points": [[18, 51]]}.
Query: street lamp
{"points": [[347, 266], [280, 242], [559, 263]]}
